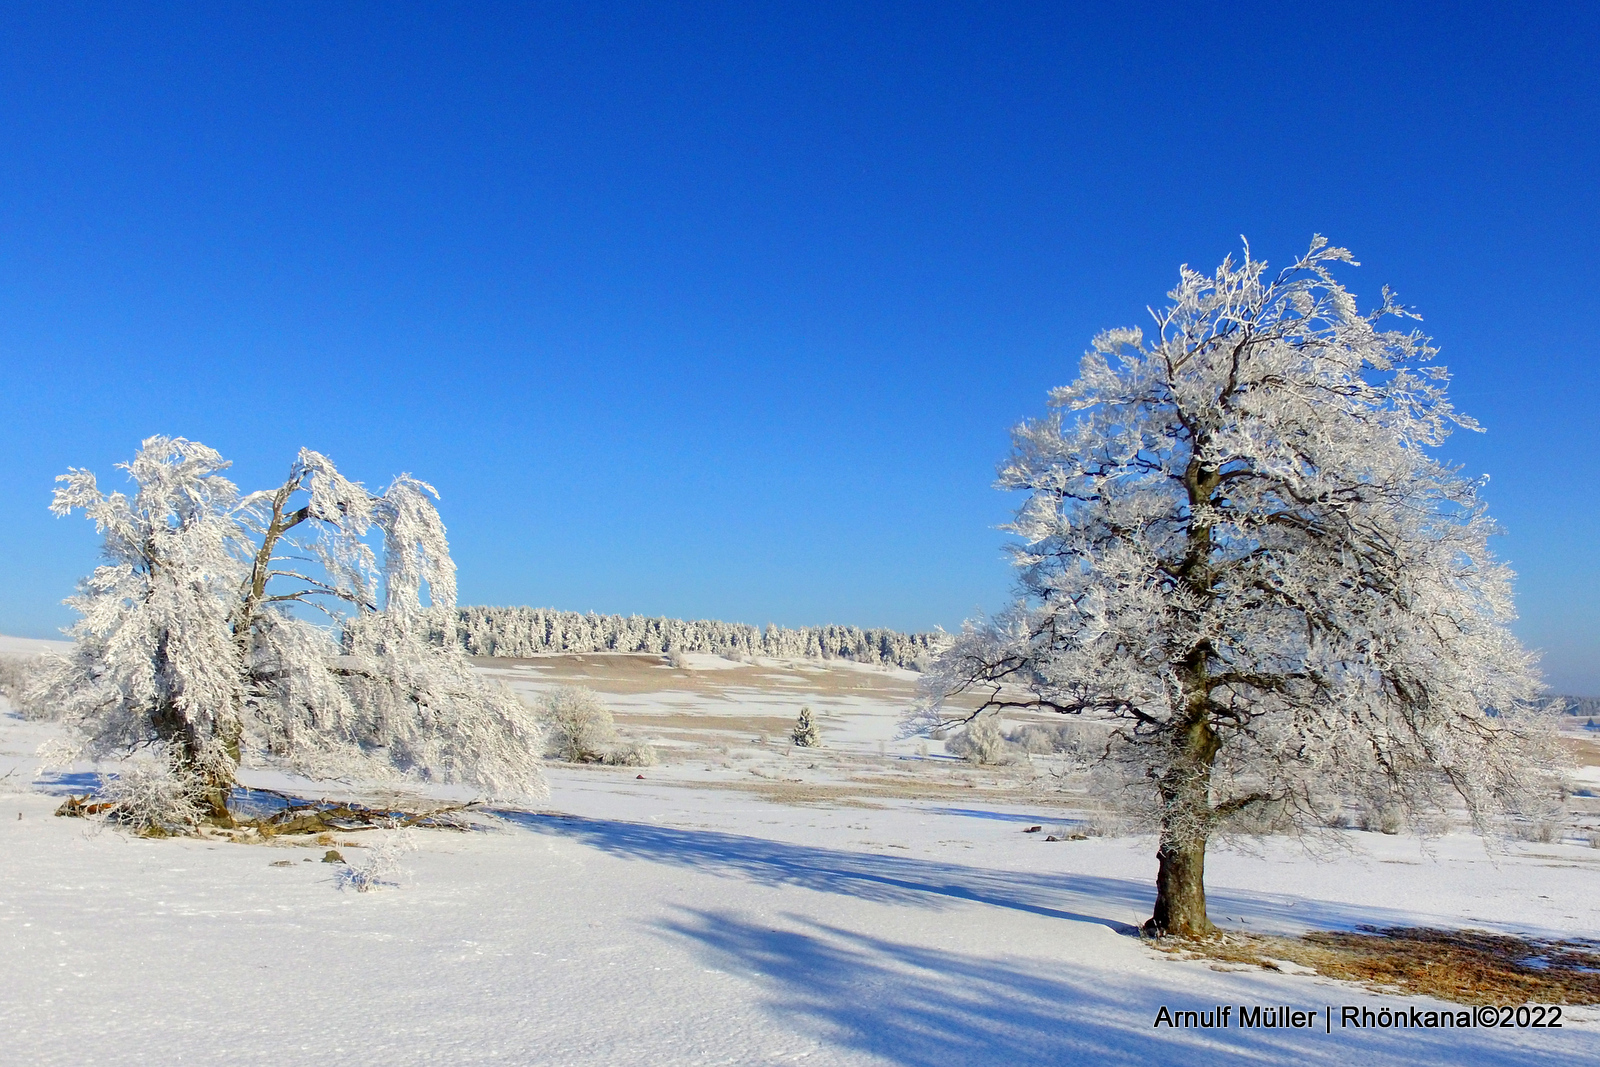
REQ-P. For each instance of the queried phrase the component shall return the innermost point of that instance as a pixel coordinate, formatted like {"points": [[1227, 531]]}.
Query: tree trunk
{"points": [[1185, 783], [214, 789], [1180, 909], [185, 744], [1186, 818]]}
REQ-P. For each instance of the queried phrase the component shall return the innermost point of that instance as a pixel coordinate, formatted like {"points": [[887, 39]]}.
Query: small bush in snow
{"points": [[805, 733], [981, 742], [381, 867], [631, 754], [152, 795], [1037, 739], [678, 660], [578, 728], [1106, 824], [1381, 818], [15, 674], [1540, 831]]}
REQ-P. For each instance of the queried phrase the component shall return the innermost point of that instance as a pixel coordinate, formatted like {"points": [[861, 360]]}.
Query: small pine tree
{"points": [[805, 733]]}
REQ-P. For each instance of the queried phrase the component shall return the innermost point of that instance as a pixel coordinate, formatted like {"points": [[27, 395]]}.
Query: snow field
{"points": [[690, 918]]}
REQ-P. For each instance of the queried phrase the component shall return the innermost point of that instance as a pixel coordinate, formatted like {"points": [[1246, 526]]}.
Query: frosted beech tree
{"points": [[1241, 567], [197, 641]]}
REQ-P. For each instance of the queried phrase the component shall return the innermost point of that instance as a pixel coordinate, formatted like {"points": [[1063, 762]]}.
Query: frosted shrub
{"points": [[15, 673], [1381, 818], [631, 754], [152, 795], [1039, 740], [1258, 820], [981, 742], [1109, 824], [382, 866], [578, 728], [1539, 831], [805, 733]]}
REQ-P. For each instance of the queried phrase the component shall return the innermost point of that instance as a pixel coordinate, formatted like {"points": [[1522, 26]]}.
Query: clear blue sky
{"points": [[726, 311]]}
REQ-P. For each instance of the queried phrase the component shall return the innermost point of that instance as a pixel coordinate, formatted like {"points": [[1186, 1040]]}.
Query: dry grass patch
{"points": [[1461, 966], [636, 673], [744, 726], [1585, 753]]}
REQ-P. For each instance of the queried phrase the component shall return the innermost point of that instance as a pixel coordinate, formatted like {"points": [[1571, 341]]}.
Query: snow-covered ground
{"points": [[742, 903]]}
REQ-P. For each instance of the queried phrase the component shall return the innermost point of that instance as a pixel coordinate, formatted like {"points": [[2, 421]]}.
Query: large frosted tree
{"points": [[199, 642], [1244, 571]]}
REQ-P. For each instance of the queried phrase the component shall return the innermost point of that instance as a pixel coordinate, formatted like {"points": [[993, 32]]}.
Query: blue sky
{"points": [[726, 311]]}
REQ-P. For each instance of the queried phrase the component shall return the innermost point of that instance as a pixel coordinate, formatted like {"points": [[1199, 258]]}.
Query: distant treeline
{"points": [[487, 631], [1586, 707]]}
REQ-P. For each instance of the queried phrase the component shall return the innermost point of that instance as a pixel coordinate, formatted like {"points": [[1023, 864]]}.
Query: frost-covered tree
{"points": [[195, 641], [578, 727], [1244, 570], [805, 733], [982, 742]]}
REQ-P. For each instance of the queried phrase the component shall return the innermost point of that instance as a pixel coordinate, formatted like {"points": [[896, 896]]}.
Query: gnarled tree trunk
{"points": [[1186, 819], [1180, 909]]}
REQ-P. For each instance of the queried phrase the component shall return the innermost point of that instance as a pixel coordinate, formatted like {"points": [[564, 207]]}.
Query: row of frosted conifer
{"points": [[494, 631]]}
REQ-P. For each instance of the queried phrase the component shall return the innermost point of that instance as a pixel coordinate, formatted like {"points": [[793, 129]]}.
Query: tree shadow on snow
{"points": [[867, 876], [932, 883], [1007, 816], [67, 783], [926, 1007]]}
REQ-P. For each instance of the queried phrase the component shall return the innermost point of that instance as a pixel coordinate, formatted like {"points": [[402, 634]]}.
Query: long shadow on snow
{"points": [[926, 1007], [887, 879], [930, 883], [1006, 816], [67, 783]]}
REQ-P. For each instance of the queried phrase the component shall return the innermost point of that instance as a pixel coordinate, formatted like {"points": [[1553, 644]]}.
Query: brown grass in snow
{"points": [[1461, 966]]}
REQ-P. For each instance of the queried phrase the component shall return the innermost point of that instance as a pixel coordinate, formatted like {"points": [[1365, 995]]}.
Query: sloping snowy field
{"points": [[742, 904]]}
